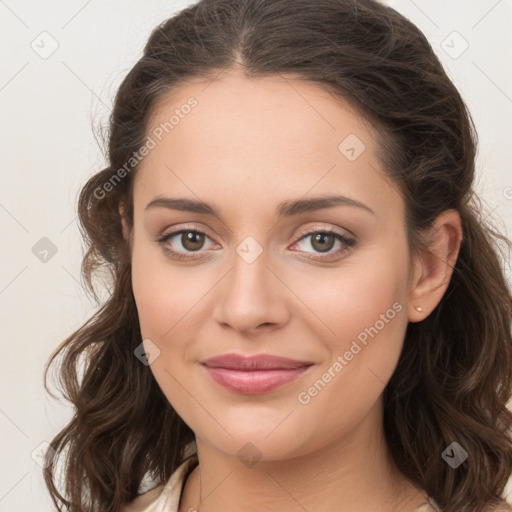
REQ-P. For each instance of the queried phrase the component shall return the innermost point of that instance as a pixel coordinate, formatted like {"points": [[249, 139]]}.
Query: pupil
{"points": [[192, 240], [321, 237]]}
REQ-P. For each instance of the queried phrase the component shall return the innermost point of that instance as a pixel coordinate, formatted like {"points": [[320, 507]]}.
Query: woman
{"points": [[307, 310]]}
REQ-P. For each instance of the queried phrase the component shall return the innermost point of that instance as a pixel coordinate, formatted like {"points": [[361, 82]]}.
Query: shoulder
{"points": [[426, 508], [168, 493], [141, 502]]}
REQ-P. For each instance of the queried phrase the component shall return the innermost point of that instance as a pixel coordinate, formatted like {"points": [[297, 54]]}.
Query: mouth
{"points": [[255, 374]]}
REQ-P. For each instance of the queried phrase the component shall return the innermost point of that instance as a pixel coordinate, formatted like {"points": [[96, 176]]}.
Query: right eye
{"points": [[188, 240]]}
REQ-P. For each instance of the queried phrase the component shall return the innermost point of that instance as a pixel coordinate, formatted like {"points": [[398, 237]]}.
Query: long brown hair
{"points": [[454, 376]]}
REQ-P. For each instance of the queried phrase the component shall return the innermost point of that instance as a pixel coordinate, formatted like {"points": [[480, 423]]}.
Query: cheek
{"points": [[349, 300], [170, 307], [365, 302], [163, 294], [154, 306], [363, 313], [362, 357], [164, 308]]}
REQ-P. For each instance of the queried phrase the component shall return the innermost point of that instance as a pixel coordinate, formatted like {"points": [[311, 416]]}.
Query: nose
{"points": [[252, 295]]}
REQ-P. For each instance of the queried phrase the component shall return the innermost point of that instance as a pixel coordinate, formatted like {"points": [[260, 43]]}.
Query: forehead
{"points": [[273, 138], [233, 106]]}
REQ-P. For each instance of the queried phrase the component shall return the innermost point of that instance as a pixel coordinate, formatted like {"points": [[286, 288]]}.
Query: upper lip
{"points": [[256, 362]]}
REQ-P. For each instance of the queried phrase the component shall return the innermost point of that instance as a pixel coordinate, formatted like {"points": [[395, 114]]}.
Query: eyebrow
{"points": [[285, 209]]}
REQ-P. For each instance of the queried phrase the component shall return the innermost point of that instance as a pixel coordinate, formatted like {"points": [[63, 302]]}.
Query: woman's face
{"points": [[260, 278]]}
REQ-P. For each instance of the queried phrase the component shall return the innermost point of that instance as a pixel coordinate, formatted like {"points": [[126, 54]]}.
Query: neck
{"points": [[351, 474]]}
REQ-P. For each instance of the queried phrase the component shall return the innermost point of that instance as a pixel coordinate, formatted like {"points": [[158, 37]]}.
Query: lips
{"points": [[257, 362], [254, 374]]}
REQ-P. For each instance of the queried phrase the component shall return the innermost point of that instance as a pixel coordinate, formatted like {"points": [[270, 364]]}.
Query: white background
{"points": [[48, 108]]}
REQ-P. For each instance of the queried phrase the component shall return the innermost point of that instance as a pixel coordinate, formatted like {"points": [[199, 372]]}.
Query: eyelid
{"points": [[176, 230], [347, 242], [322, 229]]}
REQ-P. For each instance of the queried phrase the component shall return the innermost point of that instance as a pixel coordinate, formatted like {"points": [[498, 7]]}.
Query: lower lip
{"points": [[254, 381]]}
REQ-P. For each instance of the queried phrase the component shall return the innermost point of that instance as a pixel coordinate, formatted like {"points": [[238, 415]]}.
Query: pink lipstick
{"points": [[255, 374]]}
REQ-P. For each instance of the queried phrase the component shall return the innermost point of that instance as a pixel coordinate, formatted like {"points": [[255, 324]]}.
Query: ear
{"points": [[433, 267], [124, 222]]}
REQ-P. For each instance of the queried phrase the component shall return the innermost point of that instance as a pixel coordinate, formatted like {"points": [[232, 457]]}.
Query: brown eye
{"points": [[192, 240], [184, 243], [323, 242]]}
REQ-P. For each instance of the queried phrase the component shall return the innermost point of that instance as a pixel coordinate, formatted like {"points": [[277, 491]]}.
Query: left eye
{"points": [[324, 241]]}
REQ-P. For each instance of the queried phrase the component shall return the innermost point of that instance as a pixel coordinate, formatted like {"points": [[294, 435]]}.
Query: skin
{"points": [[247, 146]]}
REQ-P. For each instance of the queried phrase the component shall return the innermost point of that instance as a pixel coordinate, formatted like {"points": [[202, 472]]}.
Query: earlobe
{"points": [[434, 267]]}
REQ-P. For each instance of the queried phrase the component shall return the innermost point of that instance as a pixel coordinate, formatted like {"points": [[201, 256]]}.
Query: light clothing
{"points": [[166, 498]]}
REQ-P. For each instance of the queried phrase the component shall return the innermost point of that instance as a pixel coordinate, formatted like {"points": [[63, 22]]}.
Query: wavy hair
{"points": [[454, 376]]}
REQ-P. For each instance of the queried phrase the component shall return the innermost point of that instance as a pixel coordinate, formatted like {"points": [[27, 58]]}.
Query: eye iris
{"points": [[321, 237], [192, 240]]}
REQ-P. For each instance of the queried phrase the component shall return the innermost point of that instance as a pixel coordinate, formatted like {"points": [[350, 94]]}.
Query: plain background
{"points": [[48, 105]]}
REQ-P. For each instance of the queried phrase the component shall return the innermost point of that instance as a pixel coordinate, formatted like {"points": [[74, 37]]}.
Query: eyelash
{"points": [[348, 242]]}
